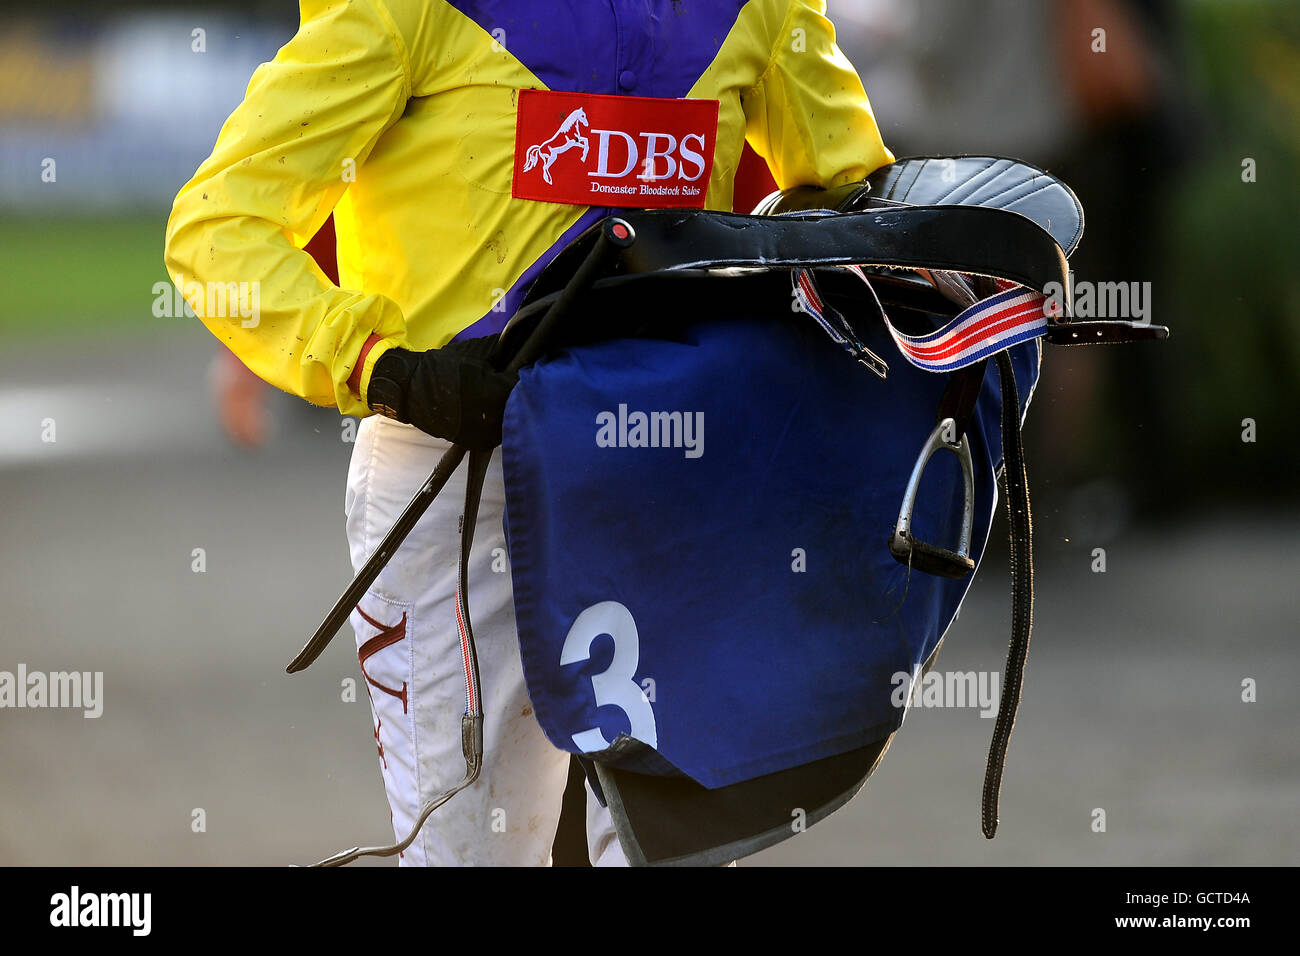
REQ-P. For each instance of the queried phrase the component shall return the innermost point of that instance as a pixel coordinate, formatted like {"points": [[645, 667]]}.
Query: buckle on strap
{"points": [[1106, 332], [922, 555]]}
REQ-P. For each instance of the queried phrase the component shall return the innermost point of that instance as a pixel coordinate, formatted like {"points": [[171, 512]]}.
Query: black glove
{"points": [[450, 393]]}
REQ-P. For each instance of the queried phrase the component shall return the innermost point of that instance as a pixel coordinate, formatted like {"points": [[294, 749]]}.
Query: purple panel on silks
{"points": [[641, 47]]}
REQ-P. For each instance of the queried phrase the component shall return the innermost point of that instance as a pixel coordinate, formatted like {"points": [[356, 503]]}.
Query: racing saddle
{"points": [[717, 628]]}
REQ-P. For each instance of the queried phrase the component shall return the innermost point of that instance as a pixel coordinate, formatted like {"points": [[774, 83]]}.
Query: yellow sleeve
{"points": [[282, 161], [808, 115]]}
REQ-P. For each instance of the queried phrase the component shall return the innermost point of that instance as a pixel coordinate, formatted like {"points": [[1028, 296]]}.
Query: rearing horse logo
{"points": [[566, 137]]}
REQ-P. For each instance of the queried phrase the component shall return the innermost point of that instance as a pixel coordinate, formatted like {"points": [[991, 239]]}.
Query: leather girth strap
{"points": [[958, 404], [1015, 486]]}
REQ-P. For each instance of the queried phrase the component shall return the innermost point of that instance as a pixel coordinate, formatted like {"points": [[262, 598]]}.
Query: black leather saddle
{"points": [[982, 216]]}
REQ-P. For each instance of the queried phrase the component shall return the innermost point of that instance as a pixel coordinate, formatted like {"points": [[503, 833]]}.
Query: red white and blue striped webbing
{"points": [[1012, 316]]}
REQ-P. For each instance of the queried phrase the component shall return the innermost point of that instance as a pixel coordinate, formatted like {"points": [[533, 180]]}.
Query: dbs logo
{"points": [[622, 151]]}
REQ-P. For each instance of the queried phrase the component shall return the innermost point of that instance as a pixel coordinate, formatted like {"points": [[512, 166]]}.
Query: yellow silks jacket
{"points": [[399, 117]]}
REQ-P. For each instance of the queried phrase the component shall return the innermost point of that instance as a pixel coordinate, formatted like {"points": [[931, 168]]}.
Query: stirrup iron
{"points": [[922, 555]]}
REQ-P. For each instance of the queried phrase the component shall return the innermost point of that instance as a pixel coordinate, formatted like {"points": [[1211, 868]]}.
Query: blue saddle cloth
{"points": [[728, 597]]}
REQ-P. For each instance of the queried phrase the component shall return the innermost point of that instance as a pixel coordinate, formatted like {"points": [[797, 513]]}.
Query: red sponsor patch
{"points": [[588, 149]]}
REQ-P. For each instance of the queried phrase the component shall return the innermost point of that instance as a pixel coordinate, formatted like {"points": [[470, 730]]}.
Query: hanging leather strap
{"points": [[1015, 485]]}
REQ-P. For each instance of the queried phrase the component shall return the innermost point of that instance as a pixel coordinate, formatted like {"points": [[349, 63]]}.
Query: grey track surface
{"points": [[1132, 704]]}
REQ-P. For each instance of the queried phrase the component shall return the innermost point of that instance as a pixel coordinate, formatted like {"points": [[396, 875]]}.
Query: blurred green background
{"points": [[64, 276], [1232, 255]]}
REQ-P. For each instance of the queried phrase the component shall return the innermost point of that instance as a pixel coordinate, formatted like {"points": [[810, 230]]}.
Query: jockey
{"points": [[460, 144]]}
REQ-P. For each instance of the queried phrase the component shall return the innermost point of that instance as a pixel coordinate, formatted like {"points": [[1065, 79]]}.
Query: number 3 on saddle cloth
{"points": [[703, 484]]}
